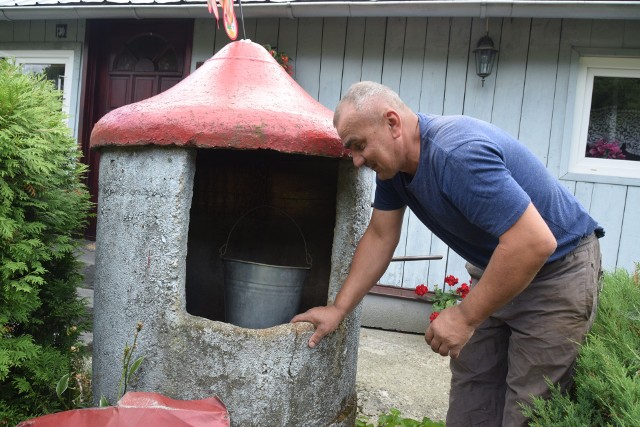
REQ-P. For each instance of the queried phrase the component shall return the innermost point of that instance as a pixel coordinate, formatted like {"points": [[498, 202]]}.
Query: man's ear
{"points": [[394, 122]]}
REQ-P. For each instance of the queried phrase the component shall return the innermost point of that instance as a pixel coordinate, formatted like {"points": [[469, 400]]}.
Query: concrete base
{"points": [[395, 313], [265, 377]]}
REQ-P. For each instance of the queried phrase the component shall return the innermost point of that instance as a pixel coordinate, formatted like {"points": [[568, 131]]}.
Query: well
{"points": [[176, 172]]}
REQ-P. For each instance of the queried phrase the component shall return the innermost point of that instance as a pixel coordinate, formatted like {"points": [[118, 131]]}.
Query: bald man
{"points": [[531, 249]]}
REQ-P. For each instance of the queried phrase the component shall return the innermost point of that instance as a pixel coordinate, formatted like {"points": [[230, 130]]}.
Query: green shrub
{"points": [[42, 205], [607, 378]]}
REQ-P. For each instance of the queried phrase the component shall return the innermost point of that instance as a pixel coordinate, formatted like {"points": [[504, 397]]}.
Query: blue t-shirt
{"points": [[474, 181]]}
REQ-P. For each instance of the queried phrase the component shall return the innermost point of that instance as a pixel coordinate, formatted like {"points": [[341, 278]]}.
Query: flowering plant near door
{"points": [[282, 58], [442, 299]]}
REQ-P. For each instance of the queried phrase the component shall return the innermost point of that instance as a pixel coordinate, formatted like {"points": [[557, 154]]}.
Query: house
{"points": [[556, 60]]}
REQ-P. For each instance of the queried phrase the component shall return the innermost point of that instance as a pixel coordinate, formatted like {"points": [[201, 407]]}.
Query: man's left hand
{"points": [[449, 332]]}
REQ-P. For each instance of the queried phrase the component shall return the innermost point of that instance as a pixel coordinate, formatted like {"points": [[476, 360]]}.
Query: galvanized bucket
{"points": [[258, 295]]}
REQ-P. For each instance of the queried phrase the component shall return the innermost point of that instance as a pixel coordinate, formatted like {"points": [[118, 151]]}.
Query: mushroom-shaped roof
{"points": [[241, 98]]}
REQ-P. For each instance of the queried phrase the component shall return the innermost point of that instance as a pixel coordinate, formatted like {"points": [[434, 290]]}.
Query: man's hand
{"points": [[370, 261], [522, 250], [449, 332], [325, 319]]}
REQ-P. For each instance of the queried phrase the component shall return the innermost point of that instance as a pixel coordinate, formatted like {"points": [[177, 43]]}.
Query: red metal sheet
{"points": [[141, 409], [241, 98]]}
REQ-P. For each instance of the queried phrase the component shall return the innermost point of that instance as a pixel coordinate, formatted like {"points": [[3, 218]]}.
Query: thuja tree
{"points": [[43, 204], [607, 378]]}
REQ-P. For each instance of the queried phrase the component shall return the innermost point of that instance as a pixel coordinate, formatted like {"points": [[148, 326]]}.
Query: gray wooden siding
{"points": [[430, 63], [41, 35]]}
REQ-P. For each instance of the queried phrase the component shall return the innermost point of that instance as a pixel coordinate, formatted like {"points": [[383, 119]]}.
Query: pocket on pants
{"points": [[584, 280]]}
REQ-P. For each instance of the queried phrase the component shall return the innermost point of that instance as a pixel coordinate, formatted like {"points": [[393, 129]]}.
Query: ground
{"points": [[398, 370]]}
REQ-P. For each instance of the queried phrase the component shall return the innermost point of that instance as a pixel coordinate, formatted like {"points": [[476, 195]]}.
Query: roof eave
{"points": [[420, 8]]}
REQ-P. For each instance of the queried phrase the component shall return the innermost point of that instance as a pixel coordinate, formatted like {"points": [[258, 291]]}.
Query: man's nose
{"points": [[358, 159]]}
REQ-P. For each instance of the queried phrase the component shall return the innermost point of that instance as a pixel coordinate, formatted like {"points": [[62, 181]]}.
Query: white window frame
{"points": [[577, 165], [65, 57]]}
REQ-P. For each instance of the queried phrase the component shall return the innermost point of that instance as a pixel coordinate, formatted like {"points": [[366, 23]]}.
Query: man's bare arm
{"points": [[521, 252], [370, 261]]}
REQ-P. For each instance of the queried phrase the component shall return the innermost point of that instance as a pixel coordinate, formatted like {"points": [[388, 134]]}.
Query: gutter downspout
{"points": [[135, 13], [290, 10]]}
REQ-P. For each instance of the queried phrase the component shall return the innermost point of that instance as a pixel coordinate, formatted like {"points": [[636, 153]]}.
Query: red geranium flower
{"points": [[463, 290], [451, 280], [421, 289], [444, 298]]}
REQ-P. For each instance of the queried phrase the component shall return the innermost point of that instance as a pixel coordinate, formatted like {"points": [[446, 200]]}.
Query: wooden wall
{"points": [[430, 63]]}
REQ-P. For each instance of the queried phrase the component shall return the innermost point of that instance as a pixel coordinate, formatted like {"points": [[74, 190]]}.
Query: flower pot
{"points": [[395, 308]]}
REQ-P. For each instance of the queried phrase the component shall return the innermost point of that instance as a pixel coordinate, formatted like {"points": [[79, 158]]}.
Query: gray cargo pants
{"points": [[534, 336]]}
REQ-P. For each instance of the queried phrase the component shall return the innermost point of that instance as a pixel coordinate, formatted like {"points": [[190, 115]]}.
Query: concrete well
{"points": [[165, 207]]}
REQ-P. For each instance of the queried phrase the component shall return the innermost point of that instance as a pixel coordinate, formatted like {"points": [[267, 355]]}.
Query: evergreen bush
{"points": [[43, 204], [607, 378]]}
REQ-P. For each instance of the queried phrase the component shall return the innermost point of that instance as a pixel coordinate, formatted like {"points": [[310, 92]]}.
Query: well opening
{"points": [[260, 192]]}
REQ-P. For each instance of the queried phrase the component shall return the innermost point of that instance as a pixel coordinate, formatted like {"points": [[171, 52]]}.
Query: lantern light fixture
{"points": [[485, 54]]}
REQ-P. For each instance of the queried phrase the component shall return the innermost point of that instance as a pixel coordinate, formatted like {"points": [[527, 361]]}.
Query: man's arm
{"points": [[370, 261], [521, 252]]}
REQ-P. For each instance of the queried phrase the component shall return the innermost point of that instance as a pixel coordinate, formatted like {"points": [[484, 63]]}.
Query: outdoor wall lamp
{"points": [[485, 55], [61, 31]]}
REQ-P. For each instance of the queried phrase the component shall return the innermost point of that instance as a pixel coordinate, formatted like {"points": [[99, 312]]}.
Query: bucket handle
{"points": [[223, 248]]}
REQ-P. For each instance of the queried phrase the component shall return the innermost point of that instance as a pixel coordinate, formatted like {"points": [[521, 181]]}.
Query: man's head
{"points": [[369, 121], [366, 97]]}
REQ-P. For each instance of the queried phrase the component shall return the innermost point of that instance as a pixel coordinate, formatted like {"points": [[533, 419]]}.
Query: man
{"points": [[531, 250]]}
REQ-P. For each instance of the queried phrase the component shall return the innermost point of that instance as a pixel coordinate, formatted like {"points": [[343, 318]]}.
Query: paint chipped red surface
{"points": [[241, 98], [141, 409]]}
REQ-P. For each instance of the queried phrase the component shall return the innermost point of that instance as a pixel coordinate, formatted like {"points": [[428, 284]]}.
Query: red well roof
{"points": [[241, 98]]}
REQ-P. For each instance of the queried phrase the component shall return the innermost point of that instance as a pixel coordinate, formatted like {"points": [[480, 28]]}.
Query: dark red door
{"points": [[131, 60]]}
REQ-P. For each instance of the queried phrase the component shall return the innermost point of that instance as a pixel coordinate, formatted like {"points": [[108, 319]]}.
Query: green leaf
{"points": [[363, 421], [135, 366], [450, 303], [104, 402], [63, 385]]}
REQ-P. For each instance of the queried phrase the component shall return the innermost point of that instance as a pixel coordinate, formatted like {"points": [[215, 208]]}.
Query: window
{"points": [[56, 64], [613, 131], [605, 140], [147, 52]]}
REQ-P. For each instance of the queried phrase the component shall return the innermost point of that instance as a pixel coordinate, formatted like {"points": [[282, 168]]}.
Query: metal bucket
{"points": [[258, 295], [261, 295]]}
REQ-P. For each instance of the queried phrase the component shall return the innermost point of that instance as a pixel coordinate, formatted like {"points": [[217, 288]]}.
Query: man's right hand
{"points": [[325, 319], [370, 261]]}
